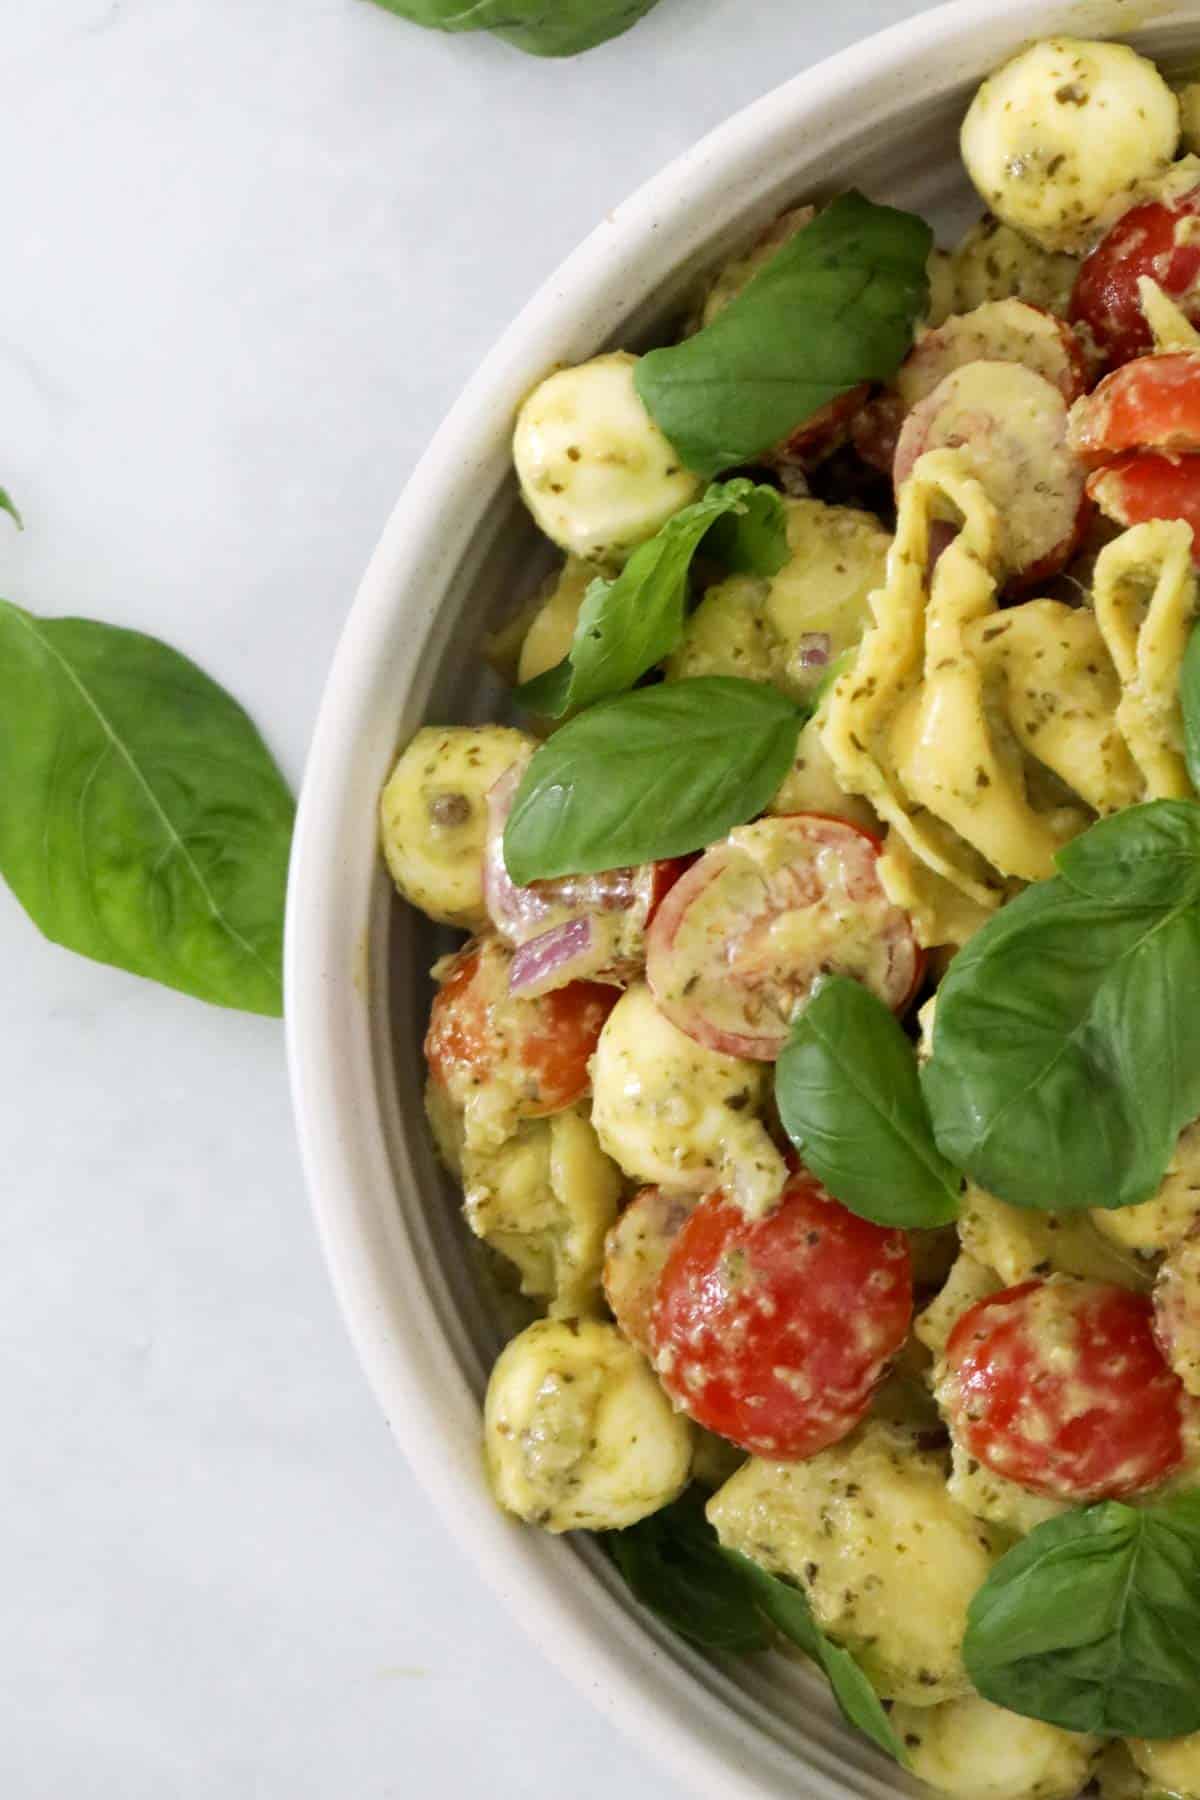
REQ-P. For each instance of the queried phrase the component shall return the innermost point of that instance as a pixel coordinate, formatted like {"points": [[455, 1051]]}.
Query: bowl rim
{"points": [[609, 1654]]}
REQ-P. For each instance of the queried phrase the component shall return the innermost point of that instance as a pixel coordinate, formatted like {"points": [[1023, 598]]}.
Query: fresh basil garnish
{"points": [[835, 306], [673, 1563], [8, 505], [629, 624], [676, 1566], [850, 1099], [651, 774], [1090, 1622], [1066, 1055], [143, 821], [1189, 696], [542, 27]]}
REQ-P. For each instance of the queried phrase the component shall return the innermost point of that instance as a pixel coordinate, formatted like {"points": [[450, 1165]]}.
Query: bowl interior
{"points": [[458, 557]]}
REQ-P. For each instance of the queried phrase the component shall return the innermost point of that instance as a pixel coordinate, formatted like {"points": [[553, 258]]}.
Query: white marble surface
{"points": [[252, 249]]}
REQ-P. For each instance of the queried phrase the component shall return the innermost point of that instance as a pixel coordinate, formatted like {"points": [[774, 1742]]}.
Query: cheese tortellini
{"points": [[863, 1528], [1159, 1224], [994, 262], [545, 1199], [1060, 139], [668, 1110], [982, 1752], [1171, 1765], [597, 474], [578, 1434]]}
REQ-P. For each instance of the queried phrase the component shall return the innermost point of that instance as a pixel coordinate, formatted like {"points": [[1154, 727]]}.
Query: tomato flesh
{"points": [[1153, 239], [741, 939], [1142, 486], [1150, 404], [1060, 1386], [479, 1032], [775, 1332]]}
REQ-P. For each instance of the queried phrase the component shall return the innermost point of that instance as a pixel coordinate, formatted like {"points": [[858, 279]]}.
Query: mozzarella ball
{"points": [[579, 1435], [1171, 1764], [887, 1559], [552, 630], [597, 474], [545, 1200], [1059, 141], [669, 1111], [1164, 1221], [982, 1752], [994, 262], [433, 817]]}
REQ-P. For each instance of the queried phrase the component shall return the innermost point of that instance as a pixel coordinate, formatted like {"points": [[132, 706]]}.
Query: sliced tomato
{"points": [[816, 436], [775, 1332], [1177, 1311], [741, 939], [1143, 486], [1010, 425], [539, 1048], [1059, 1386], [1150, 404], [1157, 239], [635, 1254], [621, 901], [1008, 331]]}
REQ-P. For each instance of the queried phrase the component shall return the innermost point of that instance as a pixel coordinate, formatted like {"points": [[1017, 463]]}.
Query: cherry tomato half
{"points": [[635, 1254], [1143, 486], [775, 1332], [479, 1032], [1059, 1386], [1150, 404], [741, 938], [1154, 239]]}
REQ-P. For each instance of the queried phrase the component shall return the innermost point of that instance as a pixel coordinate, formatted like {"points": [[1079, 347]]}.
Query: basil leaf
{"points": [[674, 1565], [541, 27], [1189, 696], [1093, 1622], [788, 1610], [8, 505], [1146, 856], [651, 774], [142, 819], [1066, 1056], [849, 1096], [835, 306], [628, 625]]}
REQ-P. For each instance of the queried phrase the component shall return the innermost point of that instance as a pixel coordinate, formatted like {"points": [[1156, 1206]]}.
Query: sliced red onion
{"points": [[813, 649], [571, 952]]}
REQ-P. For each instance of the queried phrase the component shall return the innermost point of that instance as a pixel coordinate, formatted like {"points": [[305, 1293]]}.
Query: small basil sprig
{"points": [[629, 624], [541, 27], [676, 1566], [143, 821], [1066, 1052], [1189, 695], [835, 306], [849, 1096], [8, 505], [1091, 1622], [651, 774]]}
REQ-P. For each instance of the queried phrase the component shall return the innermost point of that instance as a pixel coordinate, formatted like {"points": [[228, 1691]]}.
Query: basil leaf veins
{"points": [[1066, 1052], [835, 306], [629, 624], [849, 1096], [1090, 1622], [541, 27], [651, 774], [676, 1566], [143, 821]]}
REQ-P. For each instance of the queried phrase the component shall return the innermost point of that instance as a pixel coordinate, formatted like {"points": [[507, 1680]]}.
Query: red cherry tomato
{"points": [[823, 431], [1059, 1386], [1144, 486], [635, 1253], [1153, 239], [1151, 404], [479, 1032], [775, 1332], [740, 940]]}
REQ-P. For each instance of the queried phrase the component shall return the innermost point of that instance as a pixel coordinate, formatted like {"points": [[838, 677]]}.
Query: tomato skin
{"points": [[1150, 404], [1141, 486], [1150, 239], [636, 1250], [541, 1047], [1060, 1386], [775, 1332]]}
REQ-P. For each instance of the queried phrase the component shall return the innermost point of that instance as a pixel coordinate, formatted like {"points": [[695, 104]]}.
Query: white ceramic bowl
{"points": [[883, 116]]}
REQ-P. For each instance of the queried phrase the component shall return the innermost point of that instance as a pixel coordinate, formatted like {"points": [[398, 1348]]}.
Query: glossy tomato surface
{"points": [[1155, 239]]}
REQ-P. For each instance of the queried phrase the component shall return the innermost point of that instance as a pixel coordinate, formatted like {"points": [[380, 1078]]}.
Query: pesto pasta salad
{"points": [[821, 1067]]}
